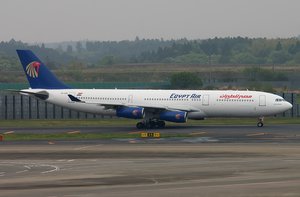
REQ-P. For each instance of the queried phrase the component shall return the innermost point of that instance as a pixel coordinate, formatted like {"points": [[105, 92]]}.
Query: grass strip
{"points": [[79, 136], [4, 124]]}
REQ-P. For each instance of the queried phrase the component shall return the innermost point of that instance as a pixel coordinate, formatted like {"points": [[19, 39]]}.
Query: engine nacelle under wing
{"points": [[130, 112], [173, 116], [196, 115]]}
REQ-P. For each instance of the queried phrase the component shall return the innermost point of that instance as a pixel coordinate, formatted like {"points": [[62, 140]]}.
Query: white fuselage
{"points": [[198, 103]]}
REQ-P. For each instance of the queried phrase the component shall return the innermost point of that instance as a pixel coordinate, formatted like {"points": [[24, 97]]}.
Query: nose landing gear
{"points": [[260, 122]]}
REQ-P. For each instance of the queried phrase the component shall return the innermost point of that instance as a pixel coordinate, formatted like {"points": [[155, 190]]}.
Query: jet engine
{"points": [[130, 112], [173, 116]]}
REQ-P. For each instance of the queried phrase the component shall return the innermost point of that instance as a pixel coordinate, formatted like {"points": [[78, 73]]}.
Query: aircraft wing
{"points": [[146, 106]]}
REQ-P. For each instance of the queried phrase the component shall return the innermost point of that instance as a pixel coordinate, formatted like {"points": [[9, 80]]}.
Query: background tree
{"points": [[108, 60], [278, 46], [69, 49], [186, 80], [79, 47]]}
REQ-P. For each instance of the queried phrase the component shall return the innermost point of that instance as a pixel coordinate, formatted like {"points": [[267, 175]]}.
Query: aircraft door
{"points": [[205, 100], [130, 99], [262, 100]]}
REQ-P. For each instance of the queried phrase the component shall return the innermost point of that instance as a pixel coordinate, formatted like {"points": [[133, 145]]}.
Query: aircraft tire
{"points": [[140, 125], [260, 124], [161, 124]]}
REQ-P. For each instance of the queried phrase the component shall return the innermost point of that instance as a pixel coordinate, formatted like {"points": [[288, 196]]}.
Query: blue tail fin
{"points": [[37, 73]]}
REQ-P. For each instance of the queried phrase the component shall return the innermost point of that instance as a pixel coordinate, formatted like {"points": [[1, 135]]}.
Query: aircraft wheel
{"points": [[152, 125], [260, 124], [161, 124], [140, 125]]}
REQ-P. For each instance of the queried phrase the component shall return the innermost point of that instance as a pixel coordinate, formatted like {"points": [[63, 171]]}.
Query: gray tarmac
{"points": [[202, 133], [216, 161]]}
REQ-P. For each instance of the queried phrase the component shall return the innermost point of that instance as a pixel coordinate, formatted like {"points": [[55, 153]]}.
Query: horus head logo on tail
{"points": [[33, 68]]}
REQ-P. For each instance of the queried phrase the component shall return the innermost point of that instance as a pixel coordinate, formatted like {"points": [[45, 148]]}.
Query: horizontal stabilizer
{"points": [[43, 95]]}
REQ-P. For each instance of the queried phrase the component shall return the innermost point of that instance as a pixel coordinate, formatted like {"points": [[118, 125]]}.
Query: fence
{"points": [[23, 107]]}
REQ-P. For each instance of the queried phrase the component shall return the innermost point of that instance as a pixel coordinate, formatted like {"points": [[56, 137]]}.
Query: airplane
{"points": [[152, 107]]}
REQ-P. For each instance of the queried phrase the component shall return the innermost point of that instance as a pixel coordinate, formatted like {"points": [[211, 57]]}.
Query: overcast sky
{"points": [[66, 20]]}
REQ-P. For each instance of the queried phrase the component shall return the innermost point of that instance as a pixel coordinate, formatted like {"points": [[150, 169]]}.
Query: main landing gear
{"points": [[260, 122], [151, 124]]}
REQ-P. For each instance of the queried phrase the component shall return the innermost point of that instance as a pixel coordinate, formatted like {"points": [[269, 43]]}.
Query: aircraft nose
{"points": [[288, 106]]}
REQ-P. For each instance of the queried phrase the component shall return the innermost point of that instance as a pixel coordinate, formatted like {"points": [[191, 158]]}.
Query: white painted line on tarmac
{"points": [[73, 132], [198, 133], [8, 132], [56, 168], [255, 134], [21, 171], [85, 147]]}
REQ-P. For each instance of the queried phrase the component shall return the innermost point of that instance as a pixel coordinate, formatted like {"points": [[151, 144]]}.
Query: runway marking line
{"points": [[73, 132], [85, 147], [8, 132], [198, 133], [56, 168], [255, 134], [21, 171]]}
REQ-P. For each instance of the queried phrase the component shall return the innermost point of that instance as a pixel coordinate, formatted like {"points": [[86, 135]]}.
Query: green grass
{"points": [[6, 124], [65, 136], [80, 136], [64, 123]]}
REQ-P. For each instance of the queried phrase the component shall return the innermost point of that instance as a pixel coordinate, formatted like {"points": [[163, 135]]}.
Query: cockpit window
{"points": [[279, 100]]}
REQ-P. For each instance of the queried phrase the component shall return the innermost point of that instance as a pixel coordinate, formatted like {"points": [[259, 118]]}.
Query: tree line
{"points": [[236, 50], [215, 51], [52, 57]]}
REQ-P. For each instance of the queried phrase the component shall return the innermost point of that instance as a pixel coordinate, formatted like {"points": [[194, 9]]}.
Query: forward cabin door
{"points": [[205, 100], [262, 100], [130, 99]]}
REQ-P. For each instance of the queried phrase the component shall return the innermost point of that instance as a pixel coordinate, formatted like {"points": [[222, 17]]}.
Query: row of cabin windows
{"points": [[234, 100], [103, 98], [169, 99], [147, 99], [166, 99]]}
